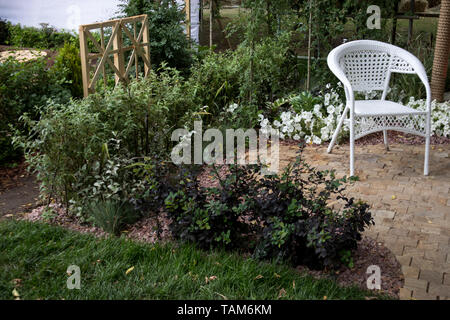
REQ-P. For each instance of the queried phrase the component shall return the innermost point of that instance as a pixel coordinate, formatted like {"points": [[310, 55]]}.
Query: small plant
{"points": [[112, 215], [211, 217]]}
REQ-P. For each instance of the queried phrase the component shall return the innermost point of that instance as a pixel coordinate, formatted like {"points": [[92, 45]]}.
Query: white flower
{"points": [[316, 140], [317, 108], [296, 137], [277, 123], [285, 116], [297, 118], [232, 107], [264, 123], [307, 116], [327, 99], [330, 109]]}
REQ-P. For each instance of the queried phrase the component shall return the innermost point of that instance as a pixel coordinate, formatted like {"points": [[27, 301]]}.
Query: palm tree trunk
{"points": [[441, 53]]}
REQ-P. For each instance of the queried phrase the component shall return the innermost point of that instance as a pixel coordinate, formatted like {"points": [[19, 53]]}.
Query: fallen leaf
{"points": [[394, 197], [325, 297], [17, 282], [222, 296], [15, 293], [282, 293], [259, 276], [208, 279], [276, 275], [129, 270], [293, 284]]}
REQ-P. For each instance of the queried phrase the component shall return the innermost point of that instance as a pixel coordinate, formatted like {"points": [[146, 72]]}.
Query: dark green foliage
{"points": [[211, 217], [45, 37], [299, 224], [25, 88], [68, 63], [287, 216], [250, 78], [168, 43], [5, 33]]}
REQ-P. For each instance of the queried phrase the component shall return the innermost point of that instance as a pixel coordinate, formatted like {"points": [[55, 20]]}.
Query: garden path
{"points": [[411, 211]]}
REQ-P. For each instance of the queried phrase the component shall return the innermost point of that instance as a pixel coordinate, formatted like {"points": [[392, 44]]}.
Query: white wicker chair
{"points": [[366, 65]]}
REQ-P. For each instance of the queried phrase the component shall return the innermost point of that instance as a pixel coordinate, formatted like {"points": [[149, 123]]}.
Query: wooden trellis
{"points": [[140, 48]]}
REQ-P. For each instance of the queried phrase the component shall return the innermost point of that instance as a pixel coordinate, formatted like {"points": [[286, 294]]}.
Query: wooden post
{"points": [[308, 76], [102, 44], [222, 29], [411, 22], [394, 23], [188, 18], [441, 53], [211, 5], [119, 60], [84, 61], [146, 39]]}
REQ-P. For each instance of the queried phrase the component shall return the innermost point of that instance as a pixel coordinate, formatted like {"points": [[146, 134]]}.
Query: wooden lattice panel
{"points": [[140, 49]]}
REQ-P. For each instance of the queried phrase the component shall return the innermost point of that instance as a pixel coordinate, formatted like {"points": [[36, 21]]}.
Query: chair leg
{"points": [[336, 132], [427, 155], [352, 150], [385, 137]]}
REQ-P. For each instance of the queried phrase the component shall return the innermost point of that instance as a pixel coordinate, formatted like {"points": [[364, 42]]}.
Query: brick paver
{"points": [[411, 211]]}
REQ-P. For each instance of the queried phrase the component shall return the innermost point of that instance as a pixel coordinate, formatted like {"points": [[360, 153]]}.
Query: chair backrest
{"points": [[367, 64]]}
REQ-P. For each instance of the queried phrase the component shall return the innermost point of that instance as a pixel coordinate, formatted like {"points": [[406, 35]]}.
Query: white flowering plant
{"points": [[314, 118], [311, 118], [440, 115]]}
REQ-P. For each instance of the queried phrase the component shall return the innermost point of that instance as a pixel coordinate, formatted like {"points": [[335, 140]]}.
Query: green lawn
{"points": [[39, 255]]}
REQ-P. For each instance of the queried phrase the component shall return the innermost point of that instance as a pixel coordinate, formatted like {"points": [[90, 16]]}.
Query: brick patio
{"points": [[411, 211]]}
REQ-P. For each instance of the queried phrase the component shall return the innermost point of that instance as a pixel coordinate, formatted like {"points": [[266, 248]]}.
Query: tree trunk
{"points": [[441, 53]]}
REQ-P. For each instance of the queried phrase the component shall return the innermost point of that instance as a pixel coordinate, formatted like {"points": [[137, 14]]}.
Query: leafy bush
{"points": [[45, 37], [168, 43], [288, 216], [248, 77], [68, 63], [211, 217], [85, 150], [300, 225], [25, 88]]}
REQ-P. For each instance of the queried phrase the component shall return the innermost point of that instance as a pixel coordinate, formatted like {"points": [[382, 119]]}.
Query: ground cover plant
{"points": [[34, 258]]}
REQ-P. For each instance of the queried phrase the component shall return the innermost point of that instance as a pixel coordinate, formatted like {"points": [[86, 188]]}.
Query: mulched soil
{"points": [[369, 252]]}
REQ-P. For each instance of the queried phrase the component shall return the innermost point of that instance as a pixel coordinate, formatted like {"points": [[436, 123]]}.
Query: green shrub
{"points": [[288, 217], [248, 77], [168, 43], [25, 88], [97, 140], [45, 37], [68, 63]]}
